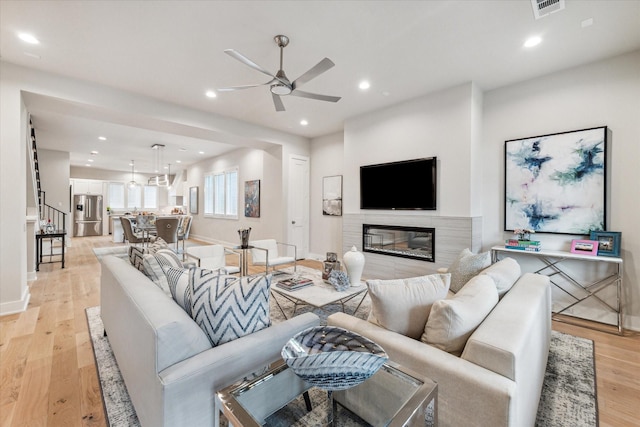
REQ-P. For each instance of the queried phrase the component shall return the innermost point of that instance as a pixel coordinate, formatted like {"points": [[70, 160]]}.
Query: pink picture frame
{"points": [[584, 247]]}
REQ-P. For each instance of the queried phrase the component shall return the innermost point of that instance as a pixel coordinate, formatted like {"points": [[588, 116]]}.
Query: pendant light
{"points": [[132, 183], [159, 180]]}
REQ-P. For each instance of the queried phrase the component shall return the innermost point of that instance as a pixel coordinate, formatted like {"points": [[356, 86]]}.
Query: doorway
{"points": [[298, 202]]}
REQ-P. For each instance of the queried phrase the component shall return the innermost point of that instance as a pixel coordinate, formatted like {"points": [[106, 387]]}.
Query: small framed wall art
{"points": [[608, 242], [252, 199], [332, 195], [584, 247]]}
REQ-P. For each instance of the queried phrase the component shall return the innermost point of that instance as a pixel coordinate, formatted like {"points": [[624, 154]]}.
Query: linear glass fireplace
{"points": [[400, 241]]}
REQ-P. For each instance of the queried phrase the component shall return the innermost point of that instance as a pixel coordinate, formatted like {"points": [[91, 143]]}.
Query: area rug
{"points": [[568, 394]]}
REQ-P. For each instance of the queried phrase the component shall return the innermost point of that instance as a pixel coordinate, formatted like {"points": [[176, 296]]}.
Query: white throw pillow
{"points": [[178, 280], [504, 274], [452, 321], [229, 307], [403, 305], [466, 266]]}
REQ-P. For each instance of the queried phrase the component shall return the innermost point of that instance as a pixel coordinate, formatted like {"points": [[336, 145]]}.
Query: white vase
{"points": [[354, 263]]}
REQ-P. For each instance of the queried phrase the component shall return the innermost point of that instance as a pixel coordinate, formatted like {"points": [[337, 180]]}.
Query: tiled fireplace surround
{"points": [[453, 234]]}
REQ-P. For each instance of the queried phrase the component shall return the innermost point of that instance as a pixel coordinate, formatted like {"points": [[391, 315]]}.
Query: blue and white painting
{"points": [[556, 183]]}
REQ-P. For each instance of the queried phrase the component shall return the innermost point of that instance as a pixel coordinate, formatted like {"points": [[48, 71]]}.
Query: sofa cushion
{"points": [[403, 305], [504, 274], [178, 282], [155, 264], [452, 321], [229, 307], [466, 266], [136, 253]]}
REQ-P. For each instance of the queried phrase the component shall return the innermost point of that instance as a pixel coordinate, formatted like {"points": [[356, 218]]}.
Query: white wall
{"points": [[598, 94], [327, 154]]}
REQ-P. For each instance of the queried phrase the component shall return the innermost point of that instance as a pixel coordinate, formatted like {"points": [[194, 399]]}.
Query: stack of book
{"points": [[293, 284], [523, 245]]}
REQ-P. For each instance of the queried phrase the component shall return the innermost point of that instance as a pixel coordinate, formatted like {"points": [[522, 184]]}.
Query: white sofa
{"points": [[498, 379], [168, 365]]}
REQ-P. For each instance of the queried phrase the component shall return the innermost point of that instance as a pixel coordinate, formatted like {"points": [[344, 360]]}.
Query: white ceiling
{"points": [[173, 51]]}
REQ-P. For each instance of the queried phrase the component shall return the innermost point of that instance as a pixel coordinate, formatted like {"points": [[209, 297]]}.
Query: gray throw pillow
{"points": [[155, 264], [229, 307], [137, 253], [466, 266], [178, 281]]}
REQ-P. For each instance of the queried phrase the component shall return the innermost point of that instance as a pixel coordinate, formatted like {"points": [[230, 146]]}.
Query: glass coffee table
{"points": [[393, 396], [318, 295]]}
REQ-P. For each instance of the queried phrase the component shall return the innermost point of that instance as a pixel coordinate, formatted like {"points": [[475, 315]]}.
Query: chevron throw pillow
{"points": [[229, 307], [178, 282], [155, 264], [136, 254]]}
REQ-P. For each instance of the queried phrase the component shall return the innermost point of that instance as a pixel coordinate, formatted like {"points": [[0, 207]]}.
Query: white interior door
{"points": [[298, 201]]}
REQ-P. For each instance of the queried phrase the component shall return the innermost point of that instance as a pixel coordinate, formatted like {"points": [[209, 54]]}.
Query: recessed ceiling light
{"points": [[178, 161], [130, 164], [200, 152], [93, 153], [88, 165], [304, 122], [364, 85], [532, 41], [28, 38], [182, 149], [89, 160], [102, 138], [210, 94]]}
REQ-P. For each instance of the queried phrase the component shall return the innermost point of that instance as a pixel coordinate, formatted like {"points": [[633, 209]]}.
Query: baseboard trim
{"points": [[19, 306]]}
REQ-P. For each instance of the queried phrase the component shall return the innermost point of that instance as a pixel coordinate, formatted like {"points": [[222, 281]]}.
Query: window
{"points": [[150, 197], [134, 197], [221, 194], [116, 195]]}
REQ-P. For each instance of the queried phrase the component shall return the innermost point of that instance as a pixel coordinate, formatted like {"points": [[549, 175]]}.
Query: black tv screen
{"points": [[409, 184]]}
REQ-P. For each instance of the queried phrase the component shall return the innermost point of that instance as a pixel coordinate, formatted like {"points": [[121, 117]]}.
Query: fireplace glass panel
{"points": [[406, 242]]}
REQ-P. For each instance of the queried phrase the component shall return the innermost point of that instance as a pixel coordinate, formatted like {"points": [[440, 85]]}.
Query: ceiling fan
{"points": [[280, 84]]}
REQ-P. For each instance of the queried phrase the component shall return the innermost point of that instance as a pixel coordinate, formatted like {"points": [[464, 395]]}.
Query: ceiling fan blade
{"points": [[277, 101], [313, 72], [229, 89], [319, 97], [240, 57]]}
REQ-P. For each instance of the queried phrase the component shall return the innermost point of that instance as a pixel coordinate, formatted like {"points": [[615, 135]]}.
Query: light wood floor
{"points": [[48, 374]]}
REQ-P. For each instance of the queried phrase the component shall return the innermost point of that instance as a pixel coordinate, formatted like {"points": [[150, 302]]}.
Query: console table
{"points": [[552, 266]]}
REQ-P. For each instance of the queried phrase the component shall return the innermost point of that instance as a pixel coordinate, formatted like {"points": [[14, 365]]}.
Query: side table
{"points": [[56, 234]]}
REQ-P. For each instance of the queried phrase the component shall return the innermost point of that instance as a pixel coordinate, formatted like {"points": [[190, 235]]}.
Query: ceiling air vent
{"points": [[542, 8]]}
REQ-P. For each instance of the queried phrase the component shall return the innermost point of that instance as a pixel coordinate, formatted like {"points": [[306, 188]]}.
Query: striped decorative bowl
{"points": [[333, 358]]}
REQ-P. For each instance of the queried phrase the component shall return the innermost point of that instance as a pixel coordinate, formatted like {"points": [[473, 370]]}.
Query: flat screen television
{"points": [[409, 184]]}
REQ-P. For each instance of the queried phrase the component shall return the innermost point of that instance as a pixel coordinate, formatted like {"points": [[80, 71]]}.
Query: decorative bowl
{"points": [[333, 358]]}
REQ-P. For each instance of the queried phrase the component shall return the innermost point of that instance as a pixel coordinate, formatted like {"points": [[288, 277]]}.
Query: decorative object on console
{"points": [[333, 358], [524, 233], [584, 247], [332, 195], [252, 199], [244, 237], [556, 183], [354, 263], [339, 280], [608, 242], [523, 245]]}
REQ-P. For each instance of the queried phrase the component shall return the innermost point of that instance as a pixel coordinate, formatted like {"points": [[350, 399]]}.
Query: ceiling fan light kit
{"points": [[280, 85]]}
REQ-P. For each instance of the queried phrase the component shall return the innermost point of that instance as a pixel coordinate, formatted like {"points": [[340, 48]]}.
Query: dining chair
{"points": [[167, 229], [129, 235], [265, 252]]}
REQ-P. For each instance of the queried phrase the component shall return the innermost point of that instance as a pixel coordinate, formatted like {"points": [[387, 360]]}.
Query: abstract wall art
{"points": [[332, 195], [557, 183], [252, 199]]}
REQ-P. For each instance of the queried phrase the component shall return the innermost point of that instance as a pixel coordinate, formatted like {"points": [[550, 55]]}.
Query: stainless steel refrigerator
{"points": [[87, 215]]}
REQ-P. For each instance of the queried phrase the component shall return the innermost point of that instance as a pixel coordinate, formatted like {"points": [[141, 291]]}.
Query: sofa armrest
{"points": [[203, 374], [460, 382]]}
